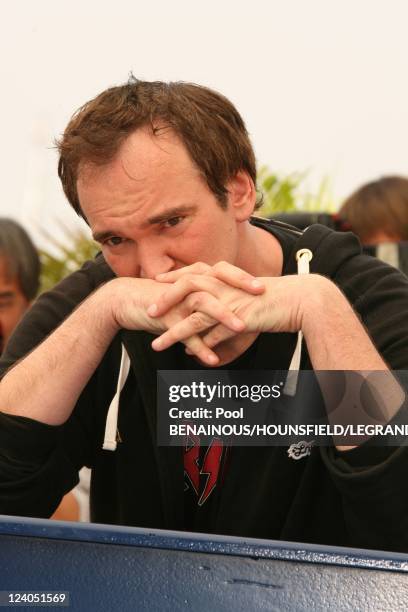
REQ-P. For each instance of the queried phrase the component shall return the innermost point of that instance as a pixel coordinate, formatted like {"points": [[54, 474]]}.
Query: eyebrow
{"points": [[155, 220], [168, 214], [101, 236]]}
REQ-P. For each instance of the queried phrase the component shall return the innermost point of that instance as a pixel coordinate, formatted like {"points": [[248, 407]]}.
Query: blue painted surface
{"points": [[121, 568]]}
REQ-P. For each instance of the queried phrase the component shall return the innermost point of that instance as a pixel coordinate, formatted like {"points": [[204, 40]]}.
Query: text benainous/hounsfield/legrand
{"points": [[277, 430]]}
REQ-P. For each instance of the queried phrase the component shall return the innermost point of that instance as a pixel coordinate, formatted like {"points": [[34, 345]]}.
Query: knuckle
{"points": [[190, 279], [216, 336], [195, 300], [219, 266], [183, 312], [225, 264], [196, 320], [185, 283], [201, 267]]}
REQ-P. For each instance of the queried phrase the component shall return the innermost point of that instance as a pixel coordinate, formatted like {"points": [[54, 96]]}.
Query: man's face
{"points": [[13, 303], [152, 211]]}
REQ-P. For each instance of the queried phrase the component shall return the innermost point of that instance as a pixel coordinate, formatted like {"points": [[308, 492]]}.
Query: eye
{"points": [[173, 221], [114, 241], [6, 303]]}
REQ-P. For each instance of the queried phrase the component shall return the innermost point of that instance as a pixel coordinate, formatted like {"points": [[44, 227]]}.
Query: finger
{"points": [[235, 277], [195, 346], [178, 291], [193, 324], [216, 335], [223, 270], [198, 322], [205, 303], [171, 277], [184, 329]]}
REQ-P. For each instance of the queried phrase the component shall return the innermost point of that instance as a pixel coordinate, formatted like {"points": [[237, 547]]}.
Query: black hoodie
{"points": [[358, 498]]}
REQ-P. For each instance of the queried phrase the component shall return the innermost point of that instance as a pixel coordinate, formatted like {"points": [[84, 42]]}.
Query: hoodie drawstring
{"points": [[109, 442], [303, 257]]}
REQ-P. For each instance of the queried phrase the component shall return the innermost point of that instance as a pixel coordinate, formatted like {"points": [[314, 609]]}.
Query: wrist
{"points": [[295, 302], [104, 301], [320, 299], [123, 303]]}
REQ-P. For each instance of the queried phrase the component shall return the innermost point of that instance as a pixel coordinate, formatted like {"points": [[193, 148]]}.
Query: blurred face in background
{"points": [[13, 303]]}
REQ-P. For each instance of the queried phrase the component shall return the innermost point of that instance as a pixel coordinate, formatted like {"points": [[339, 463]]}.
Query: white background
{"points": [[322, 84]]}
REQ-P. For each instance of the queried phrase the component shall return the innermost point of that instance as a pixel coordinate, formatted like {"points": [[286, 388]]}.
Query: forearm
{"points": [[337, 341], [335, 337], [46, 384]]}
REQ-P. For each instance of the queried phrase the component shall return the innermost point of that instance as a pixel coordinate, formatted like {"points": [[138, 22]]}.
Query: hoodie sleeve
{"points": [[372, 479], [374, 495], [39, 463], [35, 472], [379, 295]]}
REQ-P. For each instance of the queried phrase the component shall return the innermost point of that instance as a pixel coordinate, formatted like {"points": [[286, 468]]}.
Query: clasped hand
{"points": [[206, 305]]}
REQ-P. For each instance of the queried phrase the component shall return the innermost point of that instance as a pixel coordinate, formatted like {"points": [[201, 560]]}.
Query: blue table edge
{"points": [[203, 543]]}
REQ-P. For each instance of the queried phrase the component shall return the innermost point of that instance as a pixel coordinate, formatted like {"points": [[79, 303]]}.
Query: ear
{"points": [[241, 195]]}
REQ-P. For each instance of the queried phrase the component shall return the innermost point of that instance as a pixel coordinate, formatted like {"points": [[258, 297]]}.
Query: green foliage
{"points": [[290, 194], [65, 257]]}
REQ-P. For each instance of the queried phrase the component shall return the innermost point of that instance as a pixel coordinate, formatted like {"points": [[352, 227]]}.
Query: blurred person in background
{"points": [[19, 283], [378, 213], [19, 276]]}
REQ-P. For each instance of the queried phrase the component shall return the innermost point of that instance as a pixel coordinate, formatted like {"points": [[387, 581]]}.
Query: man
{"points": [[164, 174]]}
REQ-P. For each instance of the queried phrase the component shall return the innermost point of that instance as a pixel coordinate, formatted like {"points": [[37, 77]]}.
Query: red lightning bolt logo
{"points": [[211, 468]]}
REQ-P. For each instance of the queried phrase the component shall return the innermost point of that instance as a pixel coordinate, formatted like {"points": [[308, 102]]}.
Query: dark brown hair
{"points": [[21, 257], [207, 123], [379, 205]]}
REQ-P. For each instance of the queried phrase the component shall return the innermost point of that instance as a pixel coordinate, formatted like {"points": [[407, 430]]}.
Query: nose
{"points": [[153, 261]]}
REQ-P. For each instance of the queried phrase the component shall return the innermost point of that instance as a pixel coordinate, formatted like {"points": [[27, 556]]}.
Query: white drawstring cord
{"points": [[303, 257], [109, 442]]}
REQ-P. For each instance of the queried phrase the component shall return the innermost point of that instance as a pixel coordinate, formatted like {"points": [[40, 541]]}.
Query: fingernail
{"points": [[256, 284], [212, 358], [152, 310], [188, 351]]}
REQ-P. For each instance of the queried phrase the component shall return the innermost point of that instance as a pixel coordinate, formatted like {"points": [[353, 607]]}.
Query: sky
{"points": [[322, 84]]}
